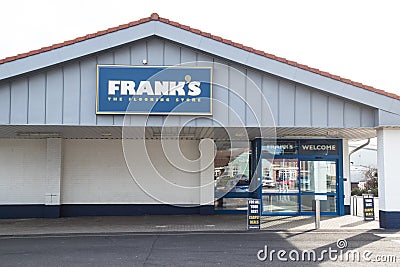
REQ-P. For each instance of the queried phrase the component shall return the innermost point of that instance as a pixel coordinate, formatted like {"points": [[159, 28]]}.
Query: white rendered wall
{"points": [[388, 169], [53, 171], [346, 172], [95, 172], [207, 172], [22, 171]]}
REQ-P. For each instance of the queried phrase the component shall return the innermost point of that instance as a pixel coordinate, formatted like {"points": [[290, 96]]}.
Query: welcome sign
{"points": [[154, 90]]}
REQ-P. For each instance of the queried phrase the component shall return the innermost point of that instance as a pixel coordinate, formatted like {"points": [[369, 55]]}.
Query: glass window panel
{"points": [[318, 176], [279, 175], [280, 203], [231, 167], [231, 204], [308, 203]]}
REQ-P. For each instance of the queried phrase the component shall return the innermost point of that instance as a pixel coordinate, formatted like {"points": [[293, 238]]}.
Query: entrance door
{"points": [[318, 178], [290, 186]]}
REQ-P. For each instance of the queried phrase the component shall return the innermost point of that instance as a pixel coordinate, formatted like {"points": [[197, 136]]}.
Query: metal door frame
{"points": [[257, 157]]}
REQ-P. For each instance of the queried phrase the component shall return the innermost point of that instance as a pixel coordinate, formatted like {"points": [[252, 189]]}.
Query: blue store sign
{"points": [[154, 90]]}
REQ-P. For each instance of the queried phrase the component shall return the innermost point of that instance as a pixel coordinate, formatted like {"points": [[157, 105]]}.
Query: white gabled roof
{"points": [[196, 39]]}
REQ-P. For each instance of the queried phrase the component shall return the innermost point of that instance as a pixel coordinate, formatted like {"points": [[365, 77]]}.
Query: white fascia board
{"points": [[387, 119], [224, 51], [202, 43], [175, 34]]}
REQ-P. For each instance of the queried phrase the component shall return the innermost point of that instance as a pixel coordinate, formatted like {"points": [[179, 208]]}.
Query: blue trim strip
{"points": [[258, 170], [347, 210], [297, 214], [29, 211], [43, 211], [389, 219], [296, 194], [239, 195]]}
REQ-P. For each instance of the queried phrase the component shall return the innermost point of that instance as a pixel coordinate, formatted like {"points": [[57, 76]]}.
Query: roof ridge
{"points": [[156, 17]]}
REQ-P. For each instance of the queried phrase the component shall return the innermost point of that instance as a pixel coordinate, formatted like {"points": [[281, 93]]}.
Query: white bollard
{"points": [[317, 213]]}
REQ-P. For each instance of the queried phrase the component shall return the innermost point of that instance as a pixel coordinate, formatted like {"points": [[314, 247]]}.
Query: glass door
{"points": [[318, 178]]}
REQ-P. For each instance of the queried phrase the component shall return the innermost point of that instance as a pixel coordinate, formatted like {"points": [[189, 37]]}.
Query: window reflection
{"points": [[280, 147], [308, 203], [231, 172], [280, 175], [231, 204], [280, 203], [318, 176]]}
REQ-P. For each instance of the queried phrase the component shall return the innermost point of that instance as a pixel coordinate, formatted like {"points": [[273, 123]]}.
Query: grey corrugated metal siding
{"points": [[65, 95]]}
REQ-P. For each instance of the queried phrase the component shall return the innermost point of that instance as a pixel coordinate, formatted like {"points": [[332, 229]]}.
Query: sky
{"points": [[358, 40]]}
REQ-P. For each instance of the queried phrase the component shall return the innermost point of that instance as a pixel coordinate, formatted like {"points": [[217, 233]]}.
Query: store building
{"points": [[119, 123]]}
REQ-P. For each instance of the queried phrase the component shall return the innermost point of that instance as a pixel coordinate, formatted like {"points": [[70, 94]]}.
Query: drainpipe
{"points": [[360, 147], [352, 152], [355, 150]]}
